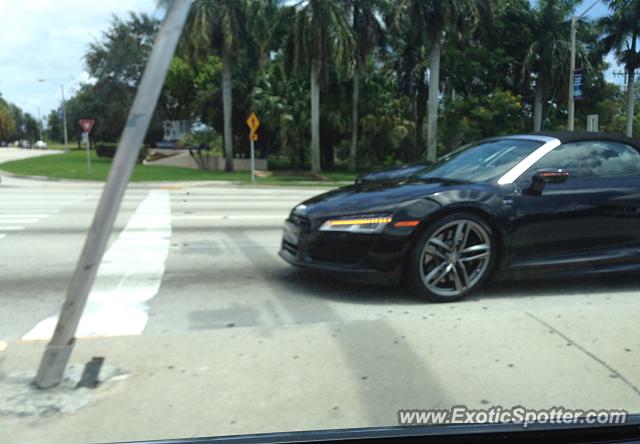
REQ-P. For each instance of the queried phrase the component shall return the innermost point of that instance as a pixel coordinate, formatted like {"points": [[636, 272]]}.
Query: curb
{"points": [[150, 182], [299, 184], [43, 178]]}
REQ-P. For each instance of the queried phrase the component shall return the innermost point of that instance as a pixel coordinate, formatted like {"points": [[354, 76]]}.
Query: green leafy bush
{"points": [[108, 150]]}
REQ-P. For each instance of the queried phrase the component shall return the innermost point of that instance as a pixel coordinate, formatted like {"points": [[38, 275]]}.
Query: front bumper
{"points": [[375, 258], [351, 274]]}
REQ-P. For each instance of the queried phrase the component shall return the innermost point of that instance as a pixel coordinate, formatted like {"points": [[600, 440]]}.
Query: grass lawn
{"points": [[60, 146], [73, 165]]}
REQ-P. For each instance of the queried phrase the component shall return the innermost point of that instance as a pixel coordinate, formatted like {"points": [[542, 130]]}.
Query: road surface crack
{"points": [[588, 353]]}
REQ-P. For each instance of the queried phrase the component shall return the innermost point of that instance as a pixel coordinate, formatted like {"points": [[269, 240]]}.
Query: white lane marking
{"points": [[7, 209], [2, 235], [40, 198], [13, 220], [243, 206], [11, 228], [232, 217], [128, 277], [252, 199], [26, 202], [22, 215], [55, 198]]}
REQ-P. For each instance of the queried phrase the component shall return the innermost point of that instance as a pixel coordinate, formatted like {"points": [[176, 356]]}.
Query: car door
{"points": [[591, 219]]}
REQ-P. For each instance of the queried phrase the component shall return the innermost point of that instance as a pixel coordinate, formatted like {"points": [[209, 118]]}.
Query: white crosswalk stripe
{"points": [[20, 208], [206, 221], [128, 277], [23, 207], [19, 221]]}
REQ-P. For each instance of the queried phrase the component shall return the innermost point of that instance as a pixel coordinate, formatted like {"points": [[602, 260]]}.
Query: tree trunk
{"points": [[537, 109], [354, 118], [630, 101], [420, 111], [227, 106], [434, 90], [315, 117]]}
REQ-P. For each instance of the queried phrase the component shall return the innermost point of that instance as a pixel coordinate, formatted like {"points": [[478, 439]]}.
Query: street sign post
{"points": [[87, 126], [253, 123]]}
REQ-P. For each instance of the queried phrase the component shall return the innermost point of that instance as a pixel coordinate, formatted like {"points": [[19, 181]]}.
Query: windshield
{"points": [[485, 161]]}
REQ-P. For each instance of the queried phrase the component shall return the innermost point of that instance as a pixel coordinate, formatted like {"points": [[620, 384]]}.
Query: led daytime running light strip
{"points": [[368, 221]]}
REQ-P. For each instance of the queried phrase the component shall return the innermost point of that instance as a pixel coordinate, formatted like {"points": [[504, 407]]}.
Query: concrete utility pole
{"points": [[64, 112], [58, 351], [572, 68]]}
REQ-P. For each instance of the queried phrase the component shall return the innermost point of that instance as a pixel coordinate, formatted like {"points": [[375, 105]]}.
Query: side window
{"points": [[594, 158]]}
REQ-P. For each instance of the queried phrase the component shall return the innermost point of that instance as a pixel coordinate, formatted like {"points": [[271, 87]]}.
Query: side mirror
{"points": [[542, 177]]}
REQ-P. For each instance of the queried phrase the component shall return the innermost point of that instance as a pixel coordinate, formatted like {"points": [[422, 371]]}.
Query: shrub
{"points": [[108, 150]]}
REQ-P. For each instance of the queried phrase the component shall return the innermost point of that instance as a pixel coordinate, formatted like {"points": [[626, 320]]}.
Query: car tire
{"points": [[452, 258]]}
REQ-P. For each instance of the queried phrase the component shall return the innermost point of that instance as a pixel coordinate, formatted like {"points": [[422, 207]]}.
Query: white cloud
{"points": [[48, 39]]}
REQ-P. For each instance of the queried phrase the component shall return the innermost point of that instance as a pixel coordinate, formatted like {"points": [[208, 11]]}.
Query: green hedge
{"points": [[108, 149]]}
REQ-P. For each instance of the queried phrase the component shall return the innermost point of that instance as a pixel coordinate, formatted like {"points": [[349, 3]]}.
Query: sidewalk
{"points": [[319, 376], [10, 154]]}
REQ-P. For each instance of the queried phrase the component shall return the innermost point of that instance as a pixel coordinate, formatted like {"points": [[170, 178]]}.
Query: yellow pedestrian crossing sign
{"points": [[253, 123]]}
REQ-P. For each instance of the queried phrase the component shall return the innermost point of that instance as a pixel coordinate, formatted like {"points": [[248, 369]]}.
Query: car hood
{"points": [[370, 197], [393, 174]]}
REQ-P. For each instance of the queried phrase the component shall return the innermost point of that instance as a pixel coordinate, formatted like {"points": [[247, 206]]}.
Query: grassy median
{"points": [[73, 165]]}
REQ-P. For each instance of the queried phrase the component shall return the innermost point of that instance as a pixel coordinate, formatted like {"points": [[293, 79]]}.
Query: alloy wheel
{"points": [[455, 257]]}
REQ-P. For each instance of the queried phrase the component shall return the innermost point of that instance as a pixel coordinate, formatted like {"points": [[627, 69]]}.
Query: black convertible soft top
{"points": [[576, 136]]}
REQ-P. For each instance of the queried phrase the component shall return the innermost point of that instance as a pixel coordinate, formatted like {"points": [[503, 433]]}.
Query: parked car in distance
{"points": [[522, 206], [40, 145], [25, 144]]}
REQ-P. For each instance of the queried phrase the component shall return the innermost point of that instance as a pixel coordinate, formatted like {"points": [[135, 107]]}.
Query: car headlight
{"points": [[357, 224]]}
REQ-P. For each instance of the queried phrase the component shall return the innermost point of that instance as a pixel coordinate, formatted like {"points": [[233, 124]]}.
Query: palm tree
{"points": [[211, 25], [368, 32], [321, 37], [268, 26], [548, 54], [431, 20], [621, 31], [407, 56]]}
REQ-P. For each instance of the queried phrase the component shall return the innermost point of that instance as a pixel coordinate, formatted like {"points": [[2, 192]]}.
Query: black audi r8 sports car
{"points": [[552, 204]]}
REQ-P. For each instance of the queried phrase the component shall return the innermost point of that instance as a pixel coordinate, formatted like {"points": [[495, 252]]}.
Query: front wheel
{"points": [[452, 258]]}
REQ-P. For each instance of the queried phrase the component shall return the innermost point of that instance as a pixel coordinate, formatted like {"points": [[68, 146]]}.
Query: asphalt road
{"points": [[221, 268], [199, 258]]}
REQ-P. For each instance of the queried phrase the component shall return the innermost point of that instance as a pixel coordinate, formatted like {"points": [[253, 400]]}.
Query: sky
{"points": [[48, 38], [598, 10]]}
